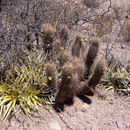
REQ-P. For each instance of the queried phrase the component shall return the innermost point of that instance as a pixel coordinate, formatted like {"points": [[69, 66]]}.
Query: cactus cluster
{"points": [[48, 34], [69, 73]]}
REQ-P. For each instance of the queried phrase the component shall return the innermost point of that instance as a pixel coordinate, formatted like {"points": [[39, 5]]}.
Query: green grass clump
{"points": [[27, 89], [117, 77]]}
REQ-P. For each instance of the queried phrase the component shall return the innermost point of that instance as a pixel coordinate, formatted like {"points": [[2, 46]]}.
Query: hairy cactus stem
{"points": [[76, 48], [64, 36], [73, 86], [88, 86], [91, 56], [50, 70], [57, 48], [83, 88], [48, 34], [64, 57], [97, 74], [64, 86], [79, 66]]}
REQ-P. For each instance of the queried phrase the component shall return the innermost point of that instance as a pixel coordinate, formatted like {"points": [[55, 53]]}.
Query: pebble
{"points": [[128, 125], [71, 114], [76, 109], [84, 107], [54, 125], [13, 123], [119, 124]]}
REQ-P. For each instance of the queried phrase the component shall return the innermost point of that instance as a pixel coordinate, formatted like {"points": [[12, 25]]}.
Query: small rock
{"points": [[122, 46], [70, 114], [119, 124], [128, 125], [102, 96], [13, 123], [54, 125], [35, 43], [110, 102], [76, 110], [10, 128], [84, 108]]}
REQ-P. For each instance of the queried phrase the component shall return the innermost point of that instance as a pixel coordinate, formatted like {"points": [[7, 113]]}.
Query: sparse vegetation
{"points": [[117, 77], [27, 88], [43, 62], [104, 24], [37, 77]]}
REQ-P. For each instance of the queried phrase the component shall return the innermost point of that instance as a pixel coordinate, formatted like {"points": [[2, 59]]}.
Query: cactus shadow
{"points": [[58, 107], [84, 98], [90, 93], [69, 102]]}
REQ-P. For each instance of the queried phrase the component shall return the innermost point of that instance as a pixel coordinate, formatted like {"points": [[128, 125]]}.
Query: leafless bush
{"points": [[22, 19]]}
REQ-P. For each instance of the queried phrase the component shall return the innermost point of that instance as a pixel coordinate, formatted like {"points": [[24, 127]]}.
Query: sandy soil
{"points": [[87, 113]]}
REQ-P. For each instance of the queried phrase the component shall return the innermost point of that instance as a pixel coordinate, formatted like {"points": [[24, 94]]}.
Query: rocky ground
{"points": [[87, 113], [97, 112]]}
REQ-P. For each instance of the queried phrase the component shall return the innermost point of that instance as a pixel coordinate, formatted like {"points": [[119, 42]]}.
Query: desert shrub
{"points": [[25, 86], [38, 76], [44, 65], [104, 25], [117, 77]]}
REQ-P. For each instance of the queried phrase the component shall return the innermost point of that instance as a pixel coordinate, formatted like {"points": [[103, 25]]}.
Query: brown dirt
{"points": [[111, 113], [89, 113]]}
